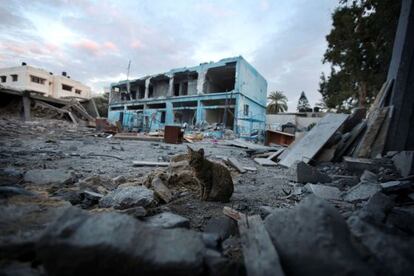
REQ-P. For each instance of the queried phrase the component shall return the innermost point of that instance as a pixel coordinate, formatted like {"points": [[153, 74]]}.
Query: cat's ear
{"points": [[201, 151]]}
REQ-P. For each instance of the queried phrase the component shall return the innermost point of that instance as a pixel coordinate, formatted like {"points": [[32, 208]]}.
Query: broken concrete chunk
{"points": [[137, 212], [325, 192], [8, 191], [264, 162], [168, 220], [362, 191], [404, 163], [116, 244], [222, 226], [393, 186], [120, 179], [368, 176], [394, 253], [306, 235], [303, 173], [359, 164], [161, 191], [377, 208], [127, 197], [403, 219], [49, 176]]}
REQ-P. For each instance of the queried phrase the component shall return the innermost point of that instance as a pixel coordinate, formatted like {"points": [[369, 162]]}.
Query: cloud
{"points": [[94, 40]]}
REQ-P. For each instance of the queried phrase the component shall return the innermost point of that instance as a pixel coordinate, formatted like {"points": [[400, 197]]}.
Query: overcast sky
{"points": [[93, 40]]}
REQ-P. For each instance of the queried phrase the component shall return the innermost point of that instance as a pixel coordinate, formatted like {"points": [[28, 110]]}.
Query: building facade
{"points": [[35, 79], [229, 92]]}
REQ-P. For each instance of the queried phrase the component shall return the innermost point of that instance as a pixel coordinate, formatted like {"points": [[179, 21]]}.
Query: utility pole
{"points": [[128, 86]]}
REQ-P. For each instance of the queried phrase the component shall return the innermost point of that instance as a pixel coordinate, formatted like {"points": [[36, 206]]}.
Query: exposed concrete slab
{"points": [[314, 140], [264, 162], [362, 191], [325, 192]]}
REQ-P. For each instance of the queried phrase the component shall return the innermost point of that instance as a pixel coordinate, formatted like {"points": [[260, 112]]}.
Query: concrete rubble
{"points": [[74, 201]]}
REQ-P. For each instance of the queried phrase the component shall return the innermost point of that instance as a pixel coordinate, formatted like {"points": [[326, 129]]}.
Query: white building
{"points": [[35, 79]]}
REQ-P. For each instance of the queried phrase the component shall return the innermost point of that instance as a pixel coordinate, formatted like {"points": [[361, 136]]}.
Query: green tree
{"points": [[278, 102], [359, 51], [102, 104], [303, 103]]}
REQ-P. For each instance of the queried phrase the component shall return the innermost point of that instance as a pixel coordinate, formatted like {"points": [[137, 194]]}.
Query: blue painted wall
{"points": [[250, 89]]}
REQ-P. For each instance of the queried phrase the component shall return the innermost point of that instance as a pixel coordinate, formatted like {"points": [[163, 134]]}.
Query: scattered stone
{"points": [[303, 173], [161, 191], [127, 197], [394, 253], [265, 211], [137, 212], [222, 226], [94, 182], [168, 220], [92, 196], [116, 244], [8, 191], [403, 219], [49, 176], [377, 208], [345, 180], [325, 192], [393, 186], [120, 179], [362, 191], [368, 176], [314, 224], [9, 176], [359, 164], [212, 241], [404, 163]]}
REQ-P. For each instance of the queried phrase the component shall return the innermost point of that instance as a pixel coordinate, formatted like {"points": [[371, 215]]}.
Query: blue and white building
{"points": [[230, 92]]}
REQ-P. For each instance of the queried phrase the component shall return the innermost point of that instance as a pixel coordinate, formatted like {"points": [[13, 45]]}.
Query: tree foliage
{"points": [[278, 102], [303, 103], [359, 51], [102, 104]]}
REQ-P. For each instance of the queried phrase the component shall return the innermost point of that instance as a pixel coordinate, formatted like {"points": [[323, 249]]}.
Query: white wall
{"points": [[275, 121], [52, 85]]}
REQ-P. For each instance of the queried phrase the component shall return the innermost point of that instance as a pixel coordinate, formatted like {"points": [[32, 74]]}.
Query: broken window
{"points": [[37, 79], [135, 107], [159, 86], [220, 79], [3, 78], [185, 83], [185, 116], [156, 106], [78, 91], [66, 87], [220, 116], [162, 120], [246, 110], [14, 77]]}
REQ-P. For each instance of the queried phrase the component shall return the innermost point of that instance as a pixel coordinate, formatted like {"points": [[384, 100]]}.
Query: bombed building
{"points": [[229, 92]]}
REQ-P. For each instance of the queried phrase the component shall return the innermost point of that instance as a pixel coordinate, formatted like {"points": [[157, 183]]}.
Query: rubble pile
{"points": [[75, 200]]}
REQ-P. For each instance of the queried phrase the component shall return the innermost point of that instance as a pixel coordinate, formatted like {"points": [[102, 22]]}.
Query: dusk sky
{"points": [[93, 40]]}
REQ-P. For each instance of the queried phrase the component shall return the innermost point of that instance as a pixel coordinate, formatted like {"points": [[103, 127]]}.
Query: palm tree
{"points": [[278, 102]]}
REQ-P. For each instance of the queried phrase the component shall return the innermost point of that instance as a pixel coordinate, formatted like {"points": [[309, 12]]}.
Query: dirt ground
{"points": [[56, 144]]}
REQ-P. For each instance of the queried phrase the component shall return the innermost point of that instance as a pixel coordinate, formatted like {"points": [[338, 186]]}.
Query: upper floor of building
{"points": [[229, 75], [30, 78]]}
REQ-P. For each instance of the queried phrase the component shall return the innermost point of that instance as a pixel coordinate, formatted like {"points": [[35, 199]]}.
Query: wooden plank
{"points": [[149, 164], [374, 125], [235, 164], [138, 137], [314, 140], [260, 256], [264, 162], [234, 214], [379, 144], [161, 190]]}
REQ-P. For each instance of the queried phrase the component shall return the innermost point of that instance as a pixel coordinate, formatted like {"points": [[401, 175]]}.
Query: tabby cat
{"points": [[215, 179]]}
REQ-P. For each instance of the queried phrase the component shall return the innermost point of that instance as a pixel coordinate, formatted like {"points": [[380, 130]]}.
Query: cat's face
{"points": [[196, 157]]}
